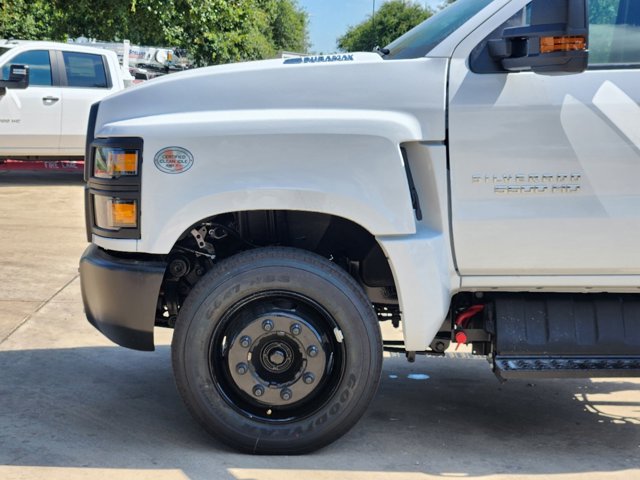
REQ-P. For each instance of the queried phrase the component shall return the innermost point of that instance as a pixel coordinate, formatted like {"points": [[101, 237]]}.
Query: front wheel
{"points": [[277, 351]]}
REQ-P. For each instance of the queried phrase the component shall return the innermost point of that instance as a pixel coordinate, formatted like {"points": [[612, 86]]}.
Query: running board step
{"points": [[562, 367], [567, 335]]}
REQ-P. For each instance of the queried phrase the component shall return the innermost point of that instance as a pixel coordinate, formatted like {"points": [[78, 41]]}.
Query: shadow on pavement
{"points": [[115, 408]]}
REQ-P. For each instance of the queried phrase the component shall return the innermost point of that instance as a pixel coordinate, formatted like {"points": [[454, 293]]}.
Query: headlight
{"points": [[114, 175], [115, 162], [112, 213]]}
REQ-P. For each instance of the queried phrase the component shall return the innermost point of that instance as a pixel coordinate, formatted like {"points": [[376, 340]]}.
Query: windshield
{"points": [[422, 39]]}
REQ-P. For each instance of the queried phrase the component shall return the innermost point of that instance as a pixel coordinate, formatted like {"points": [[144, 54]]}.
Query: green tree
{"points": [[445, 4], [392, 19], [288, 26], [603, 11], [220, 31], [212, 31], [26, 19]]}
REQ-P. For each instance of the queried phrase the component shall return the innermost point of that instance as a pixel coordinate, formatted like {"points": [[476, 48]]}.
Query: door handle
{"points": [[50, 100]]}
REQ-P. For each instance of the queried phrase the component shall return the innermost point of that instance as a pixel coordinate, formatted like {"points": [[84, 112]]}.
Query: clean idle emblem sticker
{"points": [[173, 160]]}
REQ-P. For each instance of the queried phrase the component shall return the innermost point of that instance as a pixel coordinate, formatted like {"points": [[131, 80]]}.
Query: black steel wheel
{"points": [[277, 351]]}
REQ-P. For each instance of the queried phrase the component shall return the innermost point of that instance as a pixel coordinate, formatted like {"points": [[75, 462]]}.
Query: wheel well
{"points": [[212, 239]]}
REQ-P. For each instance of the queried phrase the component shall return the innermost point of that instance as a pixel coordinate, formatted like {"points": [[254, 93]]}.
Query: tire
{"points": [[277, 351]]}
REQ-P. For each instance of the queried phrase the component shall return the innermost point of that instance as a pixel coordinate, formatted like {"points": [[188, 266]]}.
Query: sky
{"points": [[329, 19]]}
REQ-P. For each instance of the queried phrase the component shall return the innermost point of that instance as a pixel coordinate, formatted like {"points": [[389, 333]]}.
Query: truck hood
{"points": [[352, 81]]}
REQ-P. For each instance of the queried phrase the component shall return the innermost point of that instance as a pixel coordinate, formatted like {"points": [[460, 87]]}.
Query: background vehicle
{"points": [[47, 117], [475, 182], [142, 62]]}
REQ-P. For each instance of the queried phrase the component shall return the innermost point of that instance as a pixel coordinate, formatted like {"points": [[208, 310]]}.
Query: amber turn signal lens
{"points": [[562, 44], [112, 213], [124, 213]]}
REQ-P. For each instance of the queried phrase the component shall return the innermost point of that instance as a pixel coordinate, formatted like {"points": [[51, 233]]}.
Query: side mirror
{"points": [[18, 78], [555, 41]]}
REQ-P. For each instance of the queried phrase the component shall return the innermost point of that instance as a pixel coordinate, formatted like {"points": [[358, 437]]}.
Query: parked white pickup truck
{"points": [[474, 182], [46, 116]]}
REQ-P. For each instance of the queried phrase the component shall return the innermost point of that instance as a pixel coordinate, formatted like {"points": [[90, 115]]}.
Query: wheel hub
{"points": [[277, 359]]}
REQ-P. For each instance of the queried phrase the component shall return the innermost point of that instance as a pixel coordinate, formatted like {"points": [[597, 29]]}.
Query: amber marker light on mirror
{"points": [[562, 44]]}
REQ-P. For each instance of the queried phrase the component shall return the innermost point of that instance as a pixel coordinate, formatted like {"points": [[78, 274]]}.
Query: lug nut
{"points": [[309, 378], [267, 325], [245, 342], [242, 368], [312, 351], [258, 390], [296, 329], [286, 394]]}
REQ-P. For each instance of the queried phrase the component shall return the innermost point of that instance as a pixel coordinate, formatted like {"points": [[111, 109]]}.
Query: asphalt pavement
{"points": [[75, 406]]}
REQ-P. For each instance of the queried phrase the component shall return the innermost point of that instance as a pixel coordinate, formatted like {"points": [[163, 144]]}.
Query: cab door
{"points": [[30, 118], [545, 168], [85, 80]]}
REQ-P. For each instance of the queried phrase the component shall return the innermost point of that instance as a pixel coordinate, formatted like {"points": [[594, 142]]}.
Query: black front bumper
{"points": [[120, 296]]}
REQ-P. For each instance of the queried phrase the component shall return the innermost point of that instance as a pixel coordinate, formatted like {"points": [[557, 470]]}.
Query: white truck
{"points": [[476, 182], [142, 62], [44, 111]]}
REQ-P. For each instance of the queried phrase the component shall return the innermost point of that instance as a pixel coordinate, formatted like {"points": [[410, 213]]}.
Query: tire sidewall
{"points": [[327, 285]]}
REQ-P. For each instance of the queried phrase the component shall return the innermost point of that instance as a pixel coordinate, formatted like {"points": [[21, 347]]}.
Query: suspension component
{"points": [[200, 235], [461, 322]]}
